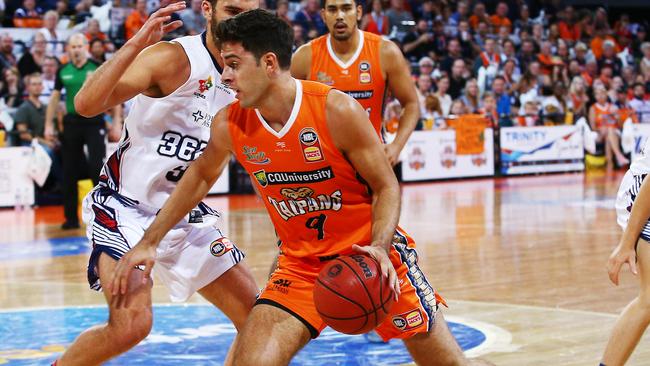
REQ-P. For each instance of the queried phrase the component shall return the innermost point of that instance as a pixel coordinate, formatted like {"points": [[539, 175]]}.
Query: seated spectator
{"points": [[524, 22], [136, 20], [598, 42], [471, 98], [55, 45], [510, 75], [640, 103], [375, 19], [82, 11], [282, 11], [399, 19], [578, 98], [48, 77], [420, 42], [454, 52], [500, 19], [424, 86], [30, 116], [609, 58], [193, 19], [604, 119], [29, 15], [457, 109], [432, 117], [12, 89], [7, 58], [529, 115], [97, 51], [310, 20], [32, 61], [425, 66], [502, 97], [458, 78], [489, 109], [486, 66], [442, 86], [298, 36], [625, 110], [478, 15], [568, 26], [94, 32], [644, 64]]}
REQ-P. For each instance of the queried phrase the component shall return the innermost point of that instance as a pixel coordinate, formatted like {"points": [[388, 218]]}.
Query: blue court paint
{"points": [[46, 248], [185, 335]]}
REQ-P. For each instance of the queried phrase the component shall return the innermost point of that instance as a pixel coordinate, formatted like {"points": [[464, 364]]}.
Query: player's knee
{"points": [[133, 330]]}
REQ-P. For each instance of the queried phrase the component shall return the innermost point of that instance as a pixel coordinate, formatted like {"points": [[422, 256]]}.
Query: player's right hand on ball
{"points": [[141, 254], [387, 269], [622, 254], [156, 26]]}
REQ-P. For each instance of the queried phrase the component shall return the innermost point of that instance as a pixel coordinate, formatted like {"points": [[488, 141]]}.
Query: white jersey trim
{"points": [[345, 65], [292, 118]]}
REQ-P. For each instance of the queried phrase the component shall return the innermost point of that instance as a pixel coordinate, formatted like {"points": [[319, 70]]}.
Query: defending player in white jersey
{"points": [[633, 213], [176, 88]]}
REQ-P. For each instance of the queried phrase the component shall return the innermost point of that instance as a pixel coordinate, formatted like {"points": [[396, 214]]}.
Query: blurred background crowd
{"points": [[515, 62]]}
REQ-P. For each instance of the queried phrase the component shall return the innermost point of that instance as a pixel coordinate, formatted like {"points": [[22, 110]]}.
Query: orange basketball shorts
{"points": [[291, 286]]}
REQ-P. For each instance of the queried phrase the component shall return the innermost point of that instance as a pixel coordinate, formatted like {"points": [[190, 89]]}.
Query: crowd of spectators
{"points": [[516, 62]]}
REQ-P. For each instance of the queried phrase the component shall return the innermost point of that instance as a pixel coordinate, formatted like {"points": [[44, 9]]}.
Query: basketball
{"points": [[351, 295]]}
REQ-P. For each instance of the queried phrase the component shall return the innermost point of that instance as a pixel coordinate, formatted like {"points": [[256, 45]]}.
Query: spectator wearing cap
{"points": [[55, 46], [426, 65], [609, 58], [500, 18], [29, 15]]}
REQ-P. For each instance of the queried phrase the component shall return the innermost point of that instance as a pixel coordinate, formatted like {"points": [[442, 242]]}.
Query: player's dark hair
{"points": [[356, 2], [259, 32]]}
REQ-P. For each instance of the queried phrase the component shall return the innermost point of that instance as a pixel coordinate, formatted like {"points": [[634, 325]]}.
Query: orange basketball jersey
{"points": [[360, 77], [317, 203]]}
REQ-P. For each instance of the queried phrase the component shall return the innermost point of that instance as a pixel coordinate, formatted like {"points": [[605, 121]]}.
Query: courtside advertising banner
{"points": [[16, 186], [526, 150], [432, 155]]}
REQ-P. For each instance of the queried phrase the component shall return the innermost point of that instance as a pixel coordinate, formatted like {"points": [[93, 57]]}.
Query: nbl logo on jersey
{"points": [[310, 145]]}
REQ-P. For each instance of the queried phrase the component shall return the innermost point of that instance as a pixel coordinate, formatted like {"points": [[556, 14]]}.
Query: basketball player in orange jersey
{"points": [[327, 186], [362, 65], [175, 88]]}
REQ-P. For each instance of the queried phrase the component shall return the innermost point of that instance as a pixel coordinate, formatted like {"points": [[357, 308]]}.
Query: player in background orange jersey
{"points": [[279, 123], [362, 65]]}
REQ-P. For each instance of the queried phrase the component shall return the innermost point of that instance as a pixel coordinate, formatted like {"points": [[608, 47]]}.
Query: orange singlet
{"points": [[360, 77], [606, 115], [319, 207]]}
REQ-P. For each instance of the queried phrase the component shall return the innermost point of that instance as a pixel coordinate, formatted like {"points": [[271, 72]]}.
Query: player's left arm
{"points": [[355, 137], [401, 85]]}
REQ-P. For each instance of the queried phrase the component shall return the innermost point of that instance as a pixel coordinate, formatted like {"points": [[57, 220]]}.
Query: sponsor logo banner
{"points": [[265, 178]]}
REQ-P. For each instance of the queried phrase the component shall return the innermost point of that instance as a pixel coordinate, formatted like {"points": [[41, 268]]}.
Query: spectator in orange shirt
{"points": [[478, 16], [600, 38], [569, 28], [500, 19], [29, 16], [93, 32], [136, 20]]}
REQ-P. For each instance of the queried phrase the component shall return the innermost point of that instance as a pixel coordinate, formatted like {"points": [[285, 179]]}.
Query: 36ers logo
{"points": [[310, 145]]}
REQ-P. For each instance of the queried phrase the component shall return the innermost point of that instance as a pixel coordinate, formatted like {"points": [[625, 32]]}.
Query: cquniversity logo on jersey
{"points": [[195, 335]]}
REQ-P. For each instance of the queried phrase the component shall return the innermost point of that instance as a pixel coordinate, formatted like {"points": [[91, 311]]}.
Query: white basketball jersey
{"points": [[162, 136]]}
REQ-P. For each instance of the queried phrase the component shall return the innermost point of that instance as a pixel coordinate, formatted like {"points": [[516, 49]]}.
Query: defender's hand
{"points": [[155, 28], [142, 254]]}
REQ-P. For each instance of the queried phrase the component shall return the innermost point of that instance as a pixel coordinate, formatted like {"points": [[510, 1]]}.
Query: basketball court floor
{"points": [[520, 260]]}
